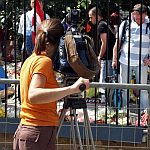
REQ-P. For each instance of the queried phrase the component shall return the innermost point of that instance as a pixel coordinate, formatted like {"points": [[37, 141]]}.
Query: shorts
{"points": [[35, 138]]}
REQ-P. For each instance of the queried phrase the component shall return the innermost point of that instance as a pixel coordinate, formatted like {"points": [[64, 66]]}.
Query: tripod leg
{"points": [[62, 117], [77, 128], [87, 141], [89, 127], [72, 131]]}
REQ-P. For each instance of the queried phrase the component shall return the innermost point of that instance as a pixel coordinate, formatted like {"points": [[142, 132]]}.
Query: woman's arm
{"points": [[38, 94]]}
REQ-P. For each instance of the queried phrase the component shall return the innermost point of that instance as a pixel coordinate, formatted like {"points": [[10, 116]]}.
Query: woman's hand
{"points": [[76, 86]]}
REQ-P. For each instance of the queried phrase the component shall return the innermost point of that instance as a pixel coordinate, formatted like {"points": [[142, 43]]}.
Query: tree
{"points": [[10, 10]]}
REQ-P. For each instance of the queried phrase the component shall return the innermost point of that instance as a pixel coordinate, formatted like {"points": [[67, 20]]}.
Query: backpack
{"points": [[125, 27], [76, 57]]}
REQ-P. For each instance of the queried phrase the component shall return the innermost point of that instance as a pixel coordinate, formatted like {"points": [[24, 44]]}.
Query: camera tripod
{"points": [[74, 103]]}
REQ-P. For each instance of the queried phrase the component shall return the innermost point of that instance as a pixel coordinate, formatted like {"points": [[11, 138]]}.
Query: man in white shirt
{"points": [[138, 55], [29, 15]]}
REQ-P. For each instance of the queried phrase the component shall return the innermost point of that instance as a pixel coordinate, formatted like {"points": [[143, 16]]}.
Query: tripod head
{"points": [[74, 101]]}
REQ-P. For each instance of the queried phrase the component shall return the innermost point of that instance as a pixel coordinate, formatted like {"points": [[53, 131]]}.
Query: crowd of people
{"points": [[131, 56]]}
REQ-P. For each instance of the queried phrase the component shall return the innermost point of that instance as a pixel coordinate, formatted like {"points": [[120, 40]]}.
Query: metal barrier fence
{"points": [[105, 134]]}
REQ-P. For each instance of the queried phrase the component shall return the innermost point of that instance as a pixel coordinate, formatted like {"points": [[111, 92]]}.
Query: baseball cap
{"points": [[139, 8]]}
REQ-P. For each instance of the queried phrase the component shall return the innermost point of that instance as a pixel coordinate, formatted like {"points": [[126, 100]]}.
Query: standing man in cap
{"points": [[135, 51]]}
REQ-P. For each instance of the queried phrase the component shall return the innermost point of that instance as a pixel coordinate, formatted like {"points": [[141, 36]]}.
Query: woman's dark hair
{"points": [[50, 32]]}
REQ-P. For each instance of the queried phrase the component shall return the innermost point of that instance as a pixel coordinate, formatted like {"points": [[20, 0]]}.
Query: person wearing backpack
{"points": [[139, 51], [29, 15]]}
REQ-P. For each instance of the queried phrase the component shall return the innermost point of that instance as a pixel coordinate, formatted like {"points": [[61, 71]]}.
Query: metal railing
{"points": [[93, 85], [99, 127]]}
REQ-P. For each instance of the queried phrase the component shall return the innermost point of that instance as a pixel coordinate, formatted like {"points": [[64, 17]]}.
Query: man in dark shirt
{"points": [[91, 30], [91, 27], [107, 40], [106, 35]]}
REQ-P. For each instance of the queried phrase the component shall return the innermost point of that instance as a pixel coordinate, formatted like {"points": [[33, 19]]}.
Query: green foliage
{"points": [[10, 10], [92, 92]]}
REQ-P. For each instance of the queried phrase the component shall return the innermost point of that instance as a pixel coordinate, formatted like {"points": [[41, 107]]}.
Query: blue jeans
{"points": [[144, 100], [29, 44], [103, 71]]}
